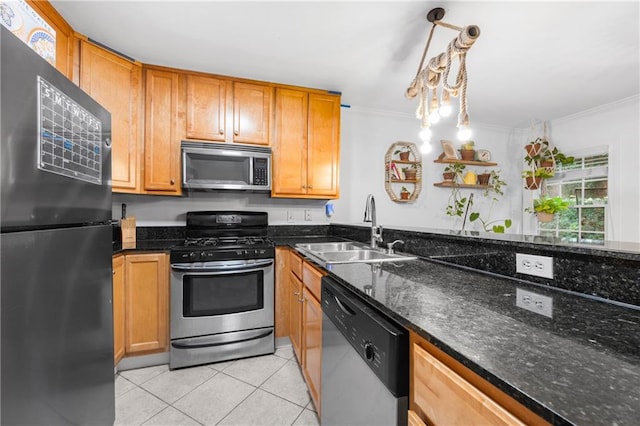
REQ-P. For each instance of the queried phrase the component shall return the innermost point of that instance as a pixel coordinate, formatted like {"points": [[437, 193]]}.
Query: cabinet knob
{"points": [[172, 182], [221, 131], [295, 293], [113, 271], [310, 187], [304, 186], [236, 132]]}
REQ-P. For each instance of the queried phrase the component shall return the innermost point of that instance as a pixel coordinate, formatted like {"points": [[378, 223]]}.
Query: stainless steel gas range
{"points": [[222, 289]]}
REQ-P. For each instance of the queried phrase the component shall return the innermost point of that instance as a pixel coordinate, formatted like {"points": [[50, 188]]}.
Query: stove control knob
{"points": [[203, 255], [368, 351], [192, 255]]}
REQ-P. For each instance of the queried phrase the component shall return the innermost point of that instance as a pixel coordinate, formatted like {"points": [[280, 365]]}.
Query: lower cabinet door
{"points": [[118, 308], [295, 315], [312, 346], [146, 303]]}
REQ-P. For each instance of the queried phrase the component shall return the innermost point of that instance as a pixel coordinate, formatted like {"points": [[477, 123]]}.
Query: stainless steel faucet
{"points": [[370, 216], [390, 246]]}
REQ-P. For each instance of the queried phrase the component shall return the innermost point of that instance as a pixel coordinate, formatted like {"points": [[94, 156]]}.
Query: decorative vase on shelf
{"points": [[449, 176], [483, 179], [404, 156], [545, 217]]}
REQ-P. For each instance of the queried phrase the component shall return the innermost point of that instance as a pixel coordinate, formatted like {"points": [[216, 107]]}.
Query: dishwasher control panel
{"points": [[379, 341]]}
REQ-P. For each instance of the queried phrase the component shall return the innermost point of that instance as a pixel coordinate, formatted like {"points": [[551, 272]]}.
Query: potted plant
{"points": [[546, 207], [550, 157], [404, 193], [452, 171], [533, 178], [409, 173], [403, 153], [534, 148], [467, 151], [483, 178]]}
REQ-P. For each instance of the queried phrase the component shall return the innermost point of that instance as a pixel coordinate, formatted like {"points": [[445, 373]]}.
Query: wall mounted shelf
{"points": [[394, 177], [442, 160], [459, 185]]}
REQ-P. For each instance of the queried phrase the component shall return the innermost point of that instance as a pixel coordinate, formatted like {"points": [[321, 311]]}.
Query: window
{"points": [[584, 184]]}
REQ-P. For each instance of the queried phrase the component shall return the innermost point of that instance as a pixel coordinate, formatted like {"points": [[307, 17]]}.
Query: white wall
{"points": [[616, 126], [366, 136], [153, 210]]}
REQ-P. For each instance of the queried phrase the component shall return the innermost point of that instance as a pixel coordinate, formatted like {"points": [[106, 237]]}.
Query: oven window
{"points": [[208, 295], [217, 169]]}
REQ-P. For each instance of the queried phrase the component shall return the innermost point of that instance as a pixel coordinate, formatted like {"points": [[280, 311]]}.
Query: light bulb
{"points": [[426, 147], [464, 133], [434, 117], [425, 134], [445, 110]]}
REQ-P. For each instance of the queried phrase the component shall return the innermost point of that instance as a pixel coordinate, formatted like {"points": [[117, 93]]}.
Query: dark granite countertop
{"points": [[580, 367]]}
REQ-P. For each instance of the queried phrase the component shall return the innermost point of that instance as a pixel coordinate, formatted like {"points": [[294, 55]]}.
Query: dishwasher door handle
{"points": [[344, 308]]}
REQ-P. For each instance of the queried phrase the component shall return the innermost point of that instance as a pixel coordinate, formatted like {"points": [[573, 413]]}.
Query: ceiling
{"points": [[533, 60]]}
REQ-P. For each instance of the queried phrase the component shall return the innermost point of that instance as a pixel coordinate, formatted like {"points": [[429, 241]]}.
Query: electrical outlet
{"points": [[534, 302], [307, 215], [539, 266], [290, 216]]}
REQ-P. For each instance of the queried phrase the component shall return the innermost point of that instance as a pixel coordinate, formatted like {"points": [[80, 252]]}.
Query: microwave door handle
{"points": [[251, 170]]}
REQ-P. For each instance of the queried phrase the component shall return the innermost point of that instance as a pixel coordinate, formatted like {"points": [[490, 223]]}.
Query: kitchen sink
{"points": [[338, 246], [347, 252]]}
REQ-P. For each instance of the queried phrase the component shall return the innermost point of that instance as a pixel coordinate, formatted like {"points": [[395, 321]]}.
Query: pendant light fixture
{"points": [[434, 78]]}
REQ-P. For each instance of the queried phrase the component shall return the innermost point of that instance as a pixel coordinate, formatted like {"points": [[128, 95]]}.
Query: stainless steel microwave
{"points": [[225, 166]]}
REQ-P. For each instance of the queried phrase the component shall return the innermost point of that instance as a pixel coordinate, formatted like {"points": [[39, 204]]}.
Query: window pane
{"points": [[568, 236], [569, 191], [590, 237], [568, 219], [595, 191], [592, 219]]}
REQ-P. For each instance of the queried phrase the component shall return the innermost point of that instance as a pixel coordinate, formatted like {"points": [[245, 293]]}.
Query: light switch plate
{"points": [[290, 216], [530, 264], [307, 215], [534, 302]]}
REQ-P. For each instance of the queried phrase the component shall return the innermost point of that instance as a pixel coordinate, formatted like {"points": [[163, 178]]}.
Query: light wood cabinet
{"points": [[118, 308], [307, 144], [146, 300], [282, 292], [65, 41], [444, 392], [116, 83], [207, 107], [295, 315], [252, 113], [223, 110], [164, 129], [312, 344]]}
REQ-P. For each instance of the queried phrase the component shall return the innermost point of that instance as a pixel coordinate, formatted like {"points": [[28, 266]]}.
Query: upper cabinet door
{"points": [[116, 84], [290, 145], [161, 135], [206, 107], [323, 148], [252, 113]]}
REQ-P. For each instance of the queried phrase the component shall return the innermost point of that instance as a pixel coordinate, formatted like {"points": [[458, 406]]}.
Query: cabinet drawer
{"points": [[311, 278], [446, 398], [295, 263]]}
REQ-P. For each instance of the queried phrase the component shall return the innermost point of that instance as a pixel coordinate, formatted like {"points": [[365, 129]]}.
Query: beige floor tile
{"points": [[307, 418], [214, 399], [171, 417], [141, 375], [289, 384], [122, 385], [311, 407], [285, 352], [172, 385], [220, 366], [262, 408], [255, 370], [137, 406]]}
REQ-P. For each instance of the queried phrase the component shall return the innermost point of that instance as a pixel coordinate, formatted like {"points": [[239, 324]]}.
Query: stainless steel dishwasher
{"points": [[365, 362]]}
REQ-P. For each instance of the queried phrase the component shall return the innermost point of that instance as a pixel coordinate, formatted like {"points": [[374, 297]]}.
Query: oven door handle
{"points": [[217, 340], [220, 266]]}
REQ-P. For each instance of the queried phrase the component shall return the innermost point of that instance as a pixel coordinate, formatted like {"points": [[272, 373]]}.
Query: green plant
{"points": [[495, 191], [556, 156], [404, 189], [550, 205], [538, 172], [456, 168]]}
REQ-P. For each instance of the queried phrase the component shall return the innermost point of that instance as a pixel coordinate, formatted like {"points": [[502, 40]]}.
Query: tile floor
{"points": [[265, 390]]}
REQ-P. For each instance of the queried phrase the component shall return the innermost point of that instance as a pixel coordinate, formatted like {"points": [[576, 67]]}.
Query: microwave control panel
{"points": [[261, 171]]}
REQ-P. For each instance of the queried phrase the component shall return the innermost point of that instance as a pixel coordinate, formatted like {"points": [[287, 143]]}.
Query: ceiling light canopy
{"points": [[434, 78]]}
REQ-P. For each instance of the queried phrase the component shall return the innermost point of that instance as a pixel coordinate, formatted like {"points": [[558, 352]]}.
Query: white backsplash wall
{"points": [[153, 210], [366, 136]]}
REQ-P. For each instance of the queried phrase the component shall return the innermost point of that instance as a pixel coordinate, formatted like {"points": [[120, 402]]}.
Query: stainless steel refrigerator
{"points": [[56, 291]]}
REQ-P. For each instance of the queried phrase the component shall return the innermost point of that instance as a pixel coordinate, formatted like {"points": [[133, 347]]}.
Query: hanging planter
{"points": [[532, 182], [545, 217], [533, 148]]}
